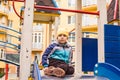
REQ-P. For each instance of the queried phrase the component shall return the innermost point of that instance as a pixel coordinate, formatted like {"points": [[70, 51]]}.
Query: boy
{"points": [[58, 56]]}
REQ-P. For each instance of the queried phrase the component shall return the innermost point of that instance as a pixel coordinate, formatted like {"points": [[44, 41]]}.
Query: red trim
{"points": [[67, 10], [15, 10], [53, 8], [6, 72], [17, 0], [116, 7]]}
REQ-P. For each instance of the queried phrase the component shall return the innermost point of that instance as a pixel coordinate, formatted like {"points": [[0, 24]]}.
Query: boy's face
{"points": [[62, 38]]}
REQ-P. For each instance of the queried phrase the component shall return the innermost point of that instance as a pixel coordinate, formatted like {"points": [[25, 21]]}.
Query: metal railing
{"points": [[36, 72]]}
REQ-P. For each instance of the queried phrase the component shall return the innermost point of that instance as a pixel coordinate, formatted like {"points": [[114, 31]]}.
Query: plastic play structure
{"points": [[111, 68], [104, 50], [107, 70]]}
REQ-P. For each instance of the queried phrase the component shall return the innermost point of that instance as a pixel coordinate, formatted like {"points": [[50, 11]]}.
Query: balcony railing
{"points": [[4, 10], [38, 46]]}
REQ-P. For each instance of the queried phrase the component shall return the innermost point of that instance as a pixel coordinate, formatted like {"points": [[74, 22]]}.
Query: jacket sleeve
{"points": [[46, 54]]}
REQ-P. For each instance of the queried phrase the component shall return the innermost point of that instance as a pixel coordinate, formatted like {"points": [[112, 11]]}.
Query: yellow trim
{"points": [[30, 78], [114, 21], [90, 28], [90, 8], [46, 14], [44, 22], [4, 14]]}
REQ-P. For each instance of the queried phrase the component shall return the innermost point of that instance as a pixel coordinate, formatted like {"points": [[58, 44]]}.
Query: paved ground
{"points": [[72, 77]]}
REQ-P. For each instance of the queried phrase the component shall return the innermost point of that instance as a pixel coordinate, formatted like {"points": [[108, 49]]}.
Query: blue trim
{"points": [[5, 27], [22, 8], [8, 61], [89, 32], [54, 2], [9, 47], [107, 70], [37, 75], [9, 43], [9, 35]]}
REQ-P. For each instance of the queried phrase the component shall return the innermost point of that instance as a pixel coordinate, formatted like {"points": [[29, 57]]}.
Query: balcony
{"points": [[3, 11], [37, 46], [2, 30]]}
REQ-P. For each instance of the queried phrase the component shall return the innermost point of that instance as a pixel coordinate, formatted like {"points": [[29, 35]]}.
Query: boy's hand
{"points": [[45, 70]]}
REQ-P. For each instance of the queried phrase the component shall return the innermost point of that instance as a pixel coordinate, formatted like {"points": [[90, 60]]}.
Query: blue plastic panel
{"points": [[112, 30], [89, 54], [112, 45], [112, 49]]}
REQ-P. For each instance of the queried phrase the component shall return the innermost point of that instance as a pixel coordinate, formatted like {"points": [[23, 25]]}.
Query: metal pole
{"points": [[17, 0], [56, 27], [61, 9], [66, 10], [50, 33], [78, 41], [102, 19], [26, 41]]}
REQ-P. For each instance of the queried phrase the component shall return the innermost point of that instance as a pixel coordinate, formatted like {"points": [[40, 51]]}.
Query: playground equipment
{"points": [[27, 33], [27, 39], [107, 70], [36, 72]]}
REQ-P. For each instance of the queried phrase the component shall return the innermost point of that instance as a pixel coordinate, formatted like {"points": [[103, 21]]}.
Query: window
{"points": [[10, 23], [9, 39], [71, 2], [38, 24], [3, 20], [88, 2], [39, 37], [71, 19], [35, 37], [37, 40], [72, 37], [11, 9], [89, 20]]}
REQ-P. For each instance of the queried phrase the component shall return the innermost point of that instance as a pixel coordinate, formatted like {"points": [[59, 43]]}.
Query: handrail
{"points": [[9, 35], [36, 72], [8, 61], [9, 47], [5, 27], [9, 43]]}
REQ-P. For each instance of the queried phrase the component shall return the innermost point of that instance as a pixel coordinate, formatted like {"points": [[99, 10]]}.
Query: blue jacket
{"points": [[57, 51]]}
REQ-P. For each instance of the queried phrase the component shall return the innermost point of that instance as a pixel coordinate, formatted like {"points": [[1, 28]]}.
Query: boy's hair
{"points": [[62, 31]]}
